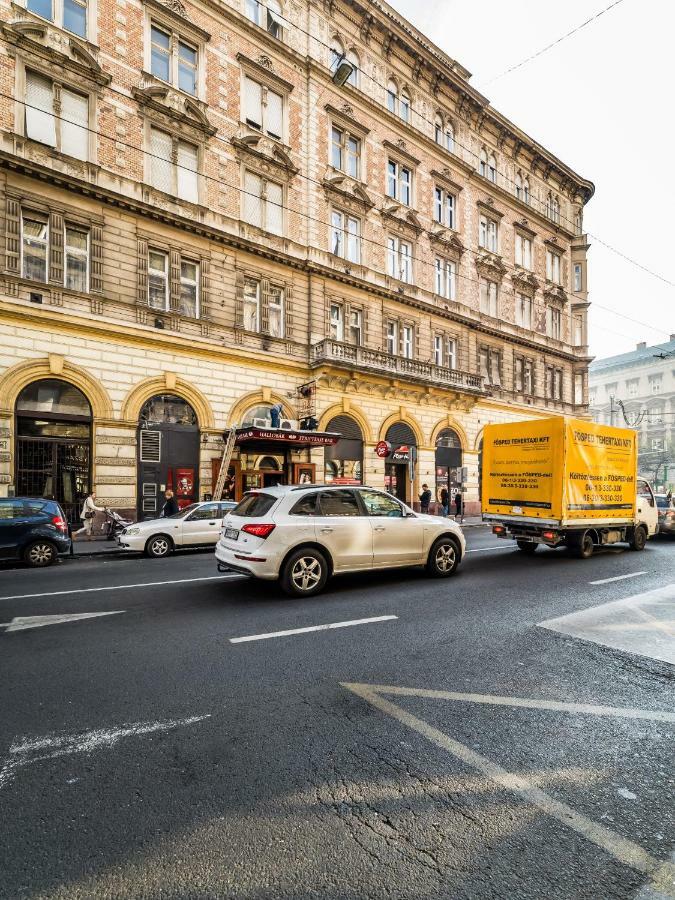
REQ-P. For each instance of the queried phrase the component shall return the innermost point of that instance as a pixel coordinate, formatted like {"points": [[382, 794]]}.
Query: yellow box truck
{"points": [[563, 481]]}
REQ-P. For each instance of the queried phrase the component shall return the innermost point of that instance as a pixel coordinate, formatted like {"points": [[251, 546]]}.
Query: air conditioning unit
{"points": [[262, 423], [288, 425]]}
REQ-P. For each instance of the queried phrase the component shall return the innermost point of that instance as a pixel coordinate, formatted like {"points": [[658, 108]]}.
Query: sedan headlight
{"points": [[132, 531]]}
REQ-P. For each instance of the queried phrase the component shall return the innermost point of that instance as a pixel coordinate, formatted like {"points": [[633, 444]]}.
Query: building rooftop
{"points": [[641, 353]]}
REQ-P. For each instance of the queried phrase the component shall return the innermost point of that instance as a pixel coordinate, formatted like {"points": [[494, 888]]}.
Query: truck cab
{"points": [[647, 511]]}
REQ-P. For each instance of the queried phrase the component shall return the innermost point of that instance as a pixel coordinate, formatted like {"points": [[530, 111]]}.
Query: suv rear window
{"points": [[22, 509], [254, 505]]}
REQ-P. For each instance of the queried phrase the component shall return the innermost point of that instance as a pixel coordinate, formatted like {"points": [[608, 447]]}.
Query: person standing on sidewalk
{"points": [[459, 509], [425, 498], [88, 514], [445, 501], [170, 507]]}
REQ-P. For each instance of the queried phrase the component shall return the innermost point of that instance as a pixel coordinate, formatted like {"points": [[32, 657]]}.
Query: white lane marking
{"points": [[119, 587], [22, 623], [617, 578], [483, 549], [625, 851], [53, 746], [274, 634]]}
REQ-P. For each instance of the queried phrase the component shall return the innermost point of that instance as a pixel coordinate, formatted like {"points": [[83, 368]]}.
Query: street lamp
{"points": [[343, 72]]}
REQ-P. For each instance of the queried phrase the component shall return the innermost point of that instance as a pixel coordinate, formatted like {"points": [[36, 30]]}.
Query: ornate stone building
{"points": [[199, 223]]}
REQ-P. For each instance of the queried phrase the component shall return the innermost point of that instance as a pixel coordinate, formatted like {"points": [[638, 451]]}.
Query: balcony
{"points": [[349, 356]]}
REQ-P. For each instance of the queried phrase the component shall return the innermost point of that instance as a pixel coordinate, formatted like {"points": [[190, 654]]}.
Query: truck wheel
{"points": [[584, 548], [528, 547], [639, 538]]}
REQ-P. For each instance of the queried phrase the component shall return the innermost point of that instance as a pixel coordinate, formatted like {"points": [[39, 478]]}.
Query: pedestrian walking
{"points": [[445, 501], [459, 508], [88, 514], [170, 507], [425, 498]]}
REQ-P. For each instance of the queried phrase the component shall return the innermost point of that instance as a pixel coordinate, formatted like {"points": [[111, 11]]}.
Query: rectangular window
{"points": [[160, 53], [438, 350], [578, 331], [553, 267], [524, 311], [523, 251], [490, 364], [399, 259], [445, 278], [41, 8], [187, 68], [356, 327], [553, 322], [76, 259], [263, 203], [40, 120], [392, 338], [189, 289], [655, 385], [179, 178], [275, 311], [523, 381], [399, 183], [173, 60], [488, 234], [74, 124], [655, 415], [518, 374], [578, 282], [578, 389], [345, 236], [263, 108], [337, 322], [253, 11], [345, 152], [488, 298], [75, 17], [451, 353], [554, 383], [407, 341], [34, 246], [187, 177], [158, 280], [251, 304], [444, 207], [632, 387]]}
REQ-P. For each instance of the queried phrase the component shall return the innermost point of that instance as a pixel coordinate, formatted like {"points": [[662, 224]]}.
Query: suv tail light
{"points": [[60, 523], [261, 531]]}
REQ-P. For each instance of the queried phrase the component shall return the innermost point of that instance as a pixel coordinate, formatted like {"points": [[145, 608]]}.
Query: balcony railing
{"points": [[353, 357]]}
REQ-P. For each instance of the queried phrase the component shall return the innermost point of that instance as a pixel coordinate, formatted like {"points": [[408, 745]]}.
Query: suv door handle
{"points": [[212, 523], [326, 530], [379, 528]]}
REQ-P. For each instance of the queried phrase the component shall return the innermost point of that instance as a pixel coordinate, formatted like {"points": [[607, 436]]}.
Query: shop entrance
{"points": [[448, 464], [53, 444], [396, 480], [400, 464], [343, 462]]}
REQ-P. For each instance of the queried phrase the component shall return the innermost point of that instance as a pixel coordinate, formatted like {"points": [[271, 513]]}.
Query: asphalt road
{"points": [[145, 755]]}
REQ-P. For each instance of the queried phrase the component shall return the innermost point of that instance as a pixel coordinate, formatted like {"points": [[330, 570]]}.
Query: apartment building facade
{"points": [[637, 390], [198, 224]]}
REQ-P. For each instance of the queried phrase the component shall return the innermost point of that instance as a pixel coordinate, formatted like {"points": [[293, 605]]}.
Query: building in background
{"points": [[638, 389], [199, 224]]}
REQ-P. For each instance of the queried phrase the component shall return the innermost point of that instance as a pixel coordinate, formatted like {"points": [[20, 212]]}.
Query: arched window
{"points": [[344, 460], [483, 163], [167, 409], [337, 52], [492, 169], [449, 137], [519, 186], [438, 130], [353, 58], [392, 96], [526, 191], [404, 107], [258, 415]]}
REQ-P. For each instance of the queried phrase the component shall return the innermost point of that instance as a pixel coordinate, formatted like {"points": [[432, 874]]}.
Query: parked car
{"points": [[302, 535], [196, 525], [32, 529], [664, 504]]}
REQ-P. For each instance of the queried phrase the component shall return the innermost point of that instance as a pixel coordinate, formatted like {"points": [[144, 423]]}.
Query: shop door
{"points": [[396, 480], [168, 459], [54, 468]]}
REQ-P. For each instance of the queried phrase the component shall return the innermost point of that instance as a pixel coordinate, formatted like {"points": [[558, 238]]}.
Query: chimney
{"points": [[642, 345]]}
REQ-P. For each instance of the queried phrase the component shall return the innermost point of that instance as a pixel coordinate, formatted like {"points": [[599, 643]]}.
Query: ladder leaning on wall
{"points": [[225, 463]]}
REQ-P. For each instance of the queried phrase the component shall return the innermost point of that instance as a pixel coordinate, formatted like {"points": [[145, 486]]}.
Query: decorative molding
{"points": [[347, 190], [445, 177], [489, 207], [400, 149], [345, 115], [262, 71], [490, 264], [175, 9], [522, 278], [119, 461], [403, 218], [170, 102], [267, 152], [446, 239]]}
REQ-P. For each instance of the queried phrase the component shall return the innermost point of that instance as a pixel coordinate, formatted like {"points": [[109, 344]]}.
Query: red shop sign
{"points": [[383, 449]]}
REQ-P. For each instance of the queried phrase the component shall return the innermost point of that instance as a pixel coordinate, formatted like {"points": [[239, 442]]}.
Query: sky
{"points": [[601, 101]]}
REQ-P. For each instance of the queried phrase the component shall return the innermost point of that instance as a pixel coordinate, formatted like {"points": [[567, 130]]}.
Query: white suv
{"points": [[303, 535]]}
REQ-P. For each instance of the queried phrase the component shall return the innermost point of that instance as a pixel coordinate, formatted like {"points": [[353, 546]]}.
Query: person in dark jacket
{"points": [[459, 511], [425, 498], [445, 500], [170, 508]]}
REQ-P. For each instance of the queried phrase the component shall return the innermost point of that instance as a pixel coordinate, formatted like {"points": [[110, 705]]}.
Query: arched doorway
{"points": [[401, 461], [343, 462], [168, 453], [448, 463], [53, 444]]}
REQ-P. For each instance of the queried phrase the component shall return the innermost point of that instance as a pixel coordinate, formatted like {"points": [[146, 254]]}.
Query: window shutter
{"points": [[96, 278], [75, 124], [56, 248], [174, 300], [142, 287], [275, 117], [161, 150], [275, 208], [265, 307], [364, 325], [204, 305], [40, 123], [187, 178], [251, 200], [288, 311], [252, 102], [239, 301], [12, 235]]}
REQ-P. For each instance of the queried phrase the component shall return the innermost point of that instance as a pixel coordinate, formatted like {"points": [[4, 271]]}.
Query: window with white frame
{"points": [[523, 381], [173, 59], [337, 322], [450, 353], [67, 131], [655, 415], [438, 350], [189, 289], [523, 251], [174, 165], [553, 266], [632, 387], [489, 302], [488, 234], [356, 327], [263, 203], [345, 152], [554, 383], [553, 208], [554, 323], [578, 388], [483, 163], [267, 14], [346, 236], [399, 182], [392, 337], [445, 207], [438, 129], [404, 106], [34, 246], [76, 258], [490, 364], [353, 59], [263, 108], [445, 278], [275, 311], [578, 331], [655, 384], [392, 96], [158, 280], [251, 304], [492, 169], [524, 311], [518, 185], [407, 341], [578, 278], [399, 259], [71, 15]]}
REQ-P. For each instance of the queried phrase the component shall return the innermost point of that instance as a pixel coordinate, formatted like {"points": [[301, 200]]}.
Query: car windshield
{"points": [[183, 512], [254, 505]]}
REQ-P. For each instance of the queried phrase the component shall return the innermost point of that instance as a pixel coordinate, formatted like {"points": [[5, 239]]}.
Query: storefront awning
{"points": [[275, 439]]}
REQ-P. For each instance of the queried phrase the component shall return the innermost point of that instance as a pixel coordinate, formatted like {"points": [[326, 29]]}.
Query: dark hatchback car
{"points": [[32, 529]]}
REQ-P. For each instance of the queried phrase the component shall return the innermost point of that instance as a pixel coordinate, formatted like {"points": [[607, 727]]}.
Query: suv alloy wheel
{"points": [[304, 573]]}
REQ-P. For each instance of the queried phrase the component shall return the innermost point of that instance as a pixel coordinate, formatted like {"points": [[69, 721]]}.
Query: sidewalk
{"points": [[98, 545]]}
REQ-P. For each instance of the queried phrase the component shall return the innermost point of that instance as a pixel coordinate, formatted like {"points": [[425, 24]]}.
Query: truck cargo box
{"points": [[559, 471]]}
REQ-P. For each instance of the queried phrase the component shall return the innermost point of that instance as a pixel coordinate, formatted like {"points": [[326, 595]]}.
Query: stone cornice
{"points": [[487, 206], [445, 178], [400, 149], [174, 9], [345, 117], [169, 102], [347, 190], [263, 69], [265, 150], [446, 240]]}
